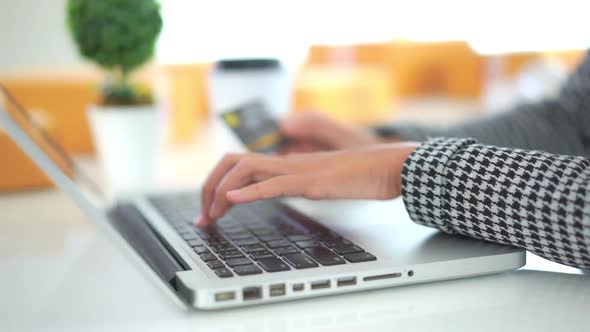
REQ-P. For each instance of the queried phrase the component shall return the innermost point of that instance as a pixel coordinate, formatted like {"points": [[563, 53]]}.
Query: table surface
{"points": [[58, 272]]}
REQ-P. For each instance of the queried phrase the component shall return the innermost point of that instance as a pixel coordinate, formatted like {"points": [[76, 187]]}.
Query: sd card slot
{"points": [[382, 276]]}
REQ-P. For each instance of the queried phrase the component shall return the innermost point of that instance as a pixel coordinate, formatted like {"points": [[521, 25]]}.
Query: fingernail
{"points": [[234, 194], [200, 221]]}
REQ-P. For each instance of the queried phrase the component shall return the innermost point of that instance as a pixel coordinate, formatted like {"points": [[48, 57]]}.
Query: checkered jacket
{"points": [[526, 183]]}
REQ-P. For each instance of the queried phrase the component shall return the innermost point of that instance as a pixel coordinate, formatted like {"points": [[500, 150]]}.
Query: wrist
{"points": [[403, 152]]}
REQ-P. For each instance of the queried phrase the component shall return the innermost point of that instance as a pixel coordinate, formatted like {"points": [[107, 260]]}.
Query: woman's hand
{"points": [[363, 173], [312, 132]]}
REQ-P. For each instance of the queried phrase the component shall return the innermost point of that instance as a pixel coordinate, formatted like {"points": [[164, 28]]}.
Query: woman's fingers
{"points": [[248, 170], [280, 186], [367, 173], [208, 191]]}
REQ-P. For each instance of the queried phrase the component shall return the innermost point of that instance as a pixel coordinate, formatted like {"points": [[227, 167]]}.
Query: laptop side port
{"points": [[277, 290], [224, 296], [346, 281], [382, 276], [251, 293], [320, 284], [298, 287]]}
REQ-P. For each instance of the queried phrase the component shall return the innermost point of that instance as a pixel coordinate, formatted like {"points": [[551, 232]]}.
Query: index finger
{"points": [[208, 191]]}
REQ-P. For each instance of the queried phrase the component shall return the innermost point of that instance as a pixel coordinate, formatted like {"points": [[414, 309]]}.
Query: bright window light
{"points": [[208, 30]]}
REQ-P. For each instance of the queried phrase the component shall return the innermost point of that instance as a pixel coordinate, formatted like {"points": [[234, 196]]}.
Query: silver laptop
{"points": [[263, 252]]}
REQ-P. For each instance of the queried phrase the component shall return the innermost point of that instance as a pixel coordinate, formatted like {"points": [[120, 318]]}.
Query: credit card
{"points": [[255, 127]]}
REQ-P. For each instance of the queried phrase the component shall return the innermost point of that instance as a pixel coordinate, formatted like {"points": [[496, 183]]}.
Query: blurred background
{"points": [[363, 62]]}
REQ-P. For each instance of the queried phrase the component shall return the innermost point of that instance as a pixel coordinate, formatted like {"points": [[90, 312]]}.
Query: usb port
{"points": [[320, 284], [277, 290], [252, 293], [298, 287], [224, 296], [347, 281]]}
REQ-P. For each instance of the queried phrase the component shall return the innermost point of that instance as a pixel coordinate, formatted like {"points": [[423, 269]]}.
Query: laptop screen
{"points": [[28, 124]]}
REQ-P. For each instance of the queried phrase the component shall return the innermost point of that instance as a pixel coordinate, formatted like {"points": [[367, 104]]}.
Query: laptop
{"points": [[263, 252]]}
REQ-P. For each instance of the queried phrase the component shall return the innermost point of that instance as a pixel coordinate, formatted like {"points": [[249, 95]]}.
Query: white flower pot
{"points": [[126, 140]]}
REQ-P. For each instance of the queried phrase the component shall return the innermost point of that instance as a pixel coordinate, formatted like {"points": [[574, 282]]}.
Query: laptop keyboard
{"points": [[258, 236]]}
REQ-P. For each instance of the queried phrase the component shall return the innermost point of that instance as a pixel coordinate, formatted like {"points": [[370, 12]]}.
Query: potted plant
{"points": [[120, 36]]}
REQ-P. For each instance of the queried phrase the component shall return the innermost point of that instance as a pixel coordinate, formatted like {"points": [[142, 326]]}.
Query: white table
{"points": [[57, 272]]}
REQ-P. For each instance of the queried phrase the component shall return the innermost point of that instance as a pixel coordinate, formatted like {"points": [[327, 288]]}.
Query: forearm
{"points": [[530, 199]]}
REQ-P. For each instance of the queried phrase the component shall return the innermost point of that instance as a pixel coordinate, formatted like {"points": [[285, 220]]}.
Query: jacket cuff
{"points": [[423, 181]]}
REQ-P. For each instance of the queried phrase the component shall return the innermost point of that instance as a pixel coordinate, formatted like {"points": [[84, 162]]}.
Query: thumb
{"points": [[313, 127], [294, 125]]}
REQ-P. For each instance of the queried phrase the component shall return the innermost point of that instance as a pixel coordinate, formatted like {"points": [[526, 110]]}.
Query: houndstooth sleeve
{"points": [[530, 199]]}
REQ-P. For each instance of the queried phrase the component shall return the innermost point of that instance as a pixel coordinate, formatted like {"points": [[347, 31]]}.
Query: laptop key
{"points": [[273, 265], [347, 249], [204, 236], [201, 249], [216, 264], [259, 227], [246, 242], [358, 257], [233, 262], [244, 270], [295, 238], [261, 254], [332, 242], [239, 236], [215, 241], [208, 257], [324, 256], [231, 255], [223, 272], [264, 232], [307, 244], [253, 248], [232, 228], [222, 247], [270, 237], [223, 251], [300, 261], [278, 244], [291, 232], [286, 251]]}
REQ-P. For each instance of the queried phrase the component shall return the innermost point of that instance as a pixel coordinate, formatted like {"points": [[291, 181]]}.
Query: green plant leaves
{"points": [[118, 35], [115, 33]]}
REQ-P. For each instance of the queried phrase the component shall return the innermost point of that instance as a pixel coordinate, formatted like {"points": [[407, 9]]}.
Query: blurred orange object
{"points": [[65, 98], [417, 68], [514, 63], [353, 94], [448, 68], [17, 171], [65, 95], [186, 91]]}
